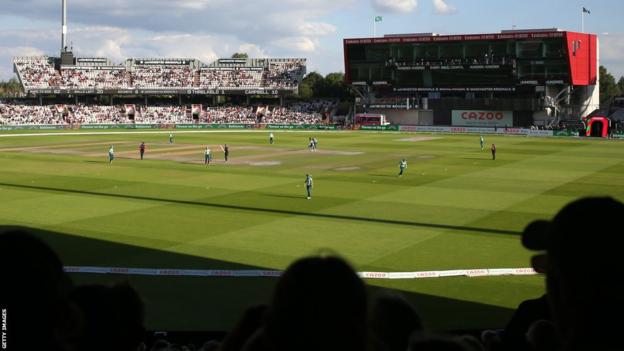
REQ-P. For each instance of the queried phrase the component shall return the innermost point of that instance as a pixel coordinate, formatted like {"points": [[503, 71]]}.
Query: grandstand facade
{"points": [[525, 76], [44, 75]]}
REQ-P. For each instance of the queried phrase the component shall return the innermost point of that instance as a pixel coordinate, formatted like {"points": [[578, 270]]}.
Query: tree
{"points": [[608, 87], [621, 84], [240, 55], [332, 85], [12, 87], [308, 86]]}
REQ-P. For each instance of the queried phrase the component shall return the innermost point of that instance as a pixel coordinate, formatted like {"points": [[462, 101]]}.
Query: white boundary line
{"points": [[275, 273]]}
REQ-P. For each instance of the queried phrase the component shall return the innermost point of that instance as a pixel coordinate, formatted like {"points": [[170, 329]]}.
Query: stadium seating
{"points": [[84, 77], [21, 112], [39, 73], [36, 72]]}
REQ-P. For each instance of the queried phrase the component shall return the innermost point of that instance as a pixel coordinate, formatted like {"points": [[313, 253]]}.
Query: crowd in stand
{"points": [[83, 78], [36, 71], [283, 75], [39, 72], [298, 113], [320, 302], [230, 114], [163, 115], [218, 78], [21, 113], [153, 77], [481, 60]]}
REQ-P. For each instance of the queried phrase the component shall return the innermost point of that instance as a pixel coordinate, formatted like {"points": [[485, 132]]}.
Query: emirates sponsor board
{"points": [[479, 118]]}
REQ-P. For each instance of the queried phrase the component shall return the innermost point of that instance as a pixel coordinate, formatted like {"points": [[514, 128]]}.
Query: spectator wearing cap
{"points": [[581, 257]]}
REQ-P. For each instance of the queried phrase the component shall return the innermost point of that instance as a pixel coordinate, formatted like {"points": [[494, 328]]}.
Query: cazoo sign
{"points": [[477, 118]]}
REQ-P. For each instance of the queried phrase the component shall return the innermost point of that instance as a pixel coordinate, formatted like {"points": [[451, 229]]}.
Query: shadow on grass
{"points": [[478, 158], [385, 175], [176, 303], [267, 210], [302, 197]]}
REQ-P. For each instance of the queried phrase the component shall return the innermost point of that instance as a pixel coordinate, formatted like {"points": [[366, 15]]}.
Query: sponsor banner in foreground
{"points": [[274, 273], [476, 130], [566, 133], [35, 127], [214, 126], [533, 132], [301, 126], [481, 118], [380, 127], [618, 135]]}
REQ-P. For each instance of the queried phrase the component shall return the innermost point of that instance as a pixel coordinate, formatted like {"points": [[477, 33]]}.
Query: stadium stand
{"points": [[86, 77], [22, 112], [35, 72], [39, 72]]}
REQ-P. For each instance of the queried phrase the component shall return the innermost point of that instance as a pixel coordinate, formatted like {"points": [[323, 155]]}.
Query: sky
{"points": [[313, 29]]}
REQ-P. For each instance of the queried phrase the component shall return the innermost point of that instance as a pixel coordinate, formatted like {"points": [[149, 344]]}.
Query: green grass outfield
{"points": [[455, 208]]}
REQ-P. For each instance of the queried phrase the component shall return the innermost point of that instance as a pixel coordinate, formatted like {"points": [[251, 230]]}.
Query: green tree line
{"points": [[10, 88], [608, 85], [314, 85]]}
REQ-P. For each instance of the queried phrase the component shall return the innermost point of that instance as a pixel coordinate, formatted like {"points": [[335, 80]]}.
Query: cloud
{"points": [[302, 44], [202, 29], [395, 6], [611, 53], [440, 7]]}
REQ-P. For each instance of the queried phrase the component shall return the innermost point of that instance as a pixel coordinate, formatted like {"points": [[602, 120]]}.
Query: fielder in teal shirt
{"points": [[309, 184], [111, 155], [402, 167]]}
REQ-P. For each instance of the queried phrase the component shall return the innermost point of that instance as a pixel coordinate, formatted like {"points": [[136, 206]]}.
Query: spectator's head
{"points": [[424, 342], [34, 292], [113, 317], [392, 320], [542, 336], [319, 303], [582, 263], [160, 345], [247, 325]]}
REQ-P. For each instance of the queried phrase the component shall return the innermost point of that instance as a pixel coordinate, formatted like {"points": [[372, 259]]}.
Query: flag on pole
{"points": [[379, 18], [586, 11]]}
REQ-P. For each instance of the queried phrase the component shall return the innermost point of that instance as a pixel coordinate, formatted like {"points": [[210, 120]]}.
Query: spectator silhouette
{"points": [[392, 320], [424, 342], [249, 323], [529, 311], [34, 294], [113, 317], [542, 336], [582, 262], [319, 303]]}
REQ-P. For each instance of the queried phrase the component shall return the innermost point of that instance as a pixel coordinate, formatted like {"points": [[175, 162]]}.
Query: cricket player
{"points": [[207, 156], [142, 149], [314, 143], [111, 155], [493, 152], [309, 184], [170, 138], [482, 143], [402, 167], [271, 138], [226, 152]]}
